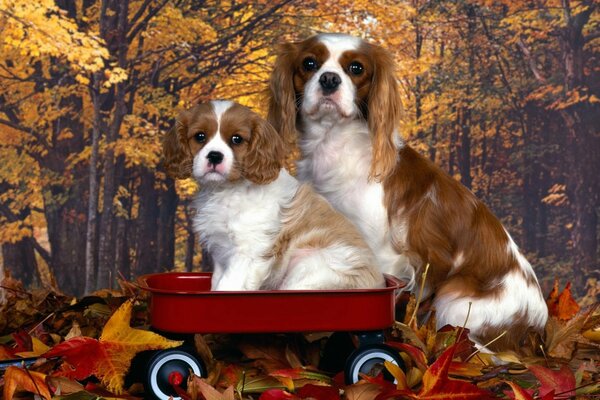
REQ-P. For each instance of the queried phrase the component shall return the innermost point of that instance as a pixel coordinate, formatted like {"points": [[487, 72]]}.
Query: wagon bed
{"points": [[184, 303]]}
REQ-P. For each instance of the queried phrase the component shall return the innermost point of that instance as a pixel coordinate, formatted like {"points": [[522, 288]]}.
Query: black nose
{"points": [[329, 82], [215, 157]]}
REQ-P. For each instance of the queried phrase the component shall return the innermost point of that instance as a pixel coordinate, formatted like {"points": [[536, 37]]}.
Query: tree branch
{"points": [[142, 24], [532, 63]]}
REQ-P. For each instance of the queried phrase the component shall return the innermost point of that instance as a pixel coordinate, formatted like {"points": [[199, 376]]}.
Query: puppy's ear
{"points": [[385, 110], [265, 155], [282, 95], [177, 156]]}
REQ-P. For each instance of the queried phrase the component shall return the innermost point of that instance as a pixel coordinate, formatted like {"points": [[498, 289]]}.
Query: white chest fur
{"points": [[337, 162], [241, 219]]}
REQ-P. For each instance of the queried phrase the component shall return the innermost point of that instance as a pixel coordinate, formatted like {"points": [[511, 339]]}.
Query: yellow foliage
{"points": [[40, 28]]}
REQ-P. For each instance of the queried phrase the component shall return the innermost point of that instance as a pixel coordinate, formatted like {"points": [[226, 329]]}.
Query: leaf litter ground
{"points": [[56, 347]]}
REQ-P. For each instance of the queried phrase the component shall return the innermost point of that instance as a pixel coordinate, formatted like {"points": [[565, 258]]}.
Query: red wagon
{"points": [[183, 303]]}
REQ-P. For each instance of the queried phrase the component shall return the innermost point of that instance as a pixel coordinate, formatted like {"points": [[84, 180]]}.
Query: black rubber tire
{"points": [[363, 359], [162, 363]]}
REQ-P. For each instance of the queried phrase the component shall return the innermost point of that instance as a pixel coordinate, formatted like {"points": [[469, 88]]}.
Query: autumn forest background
{"points": [[503, 94]]}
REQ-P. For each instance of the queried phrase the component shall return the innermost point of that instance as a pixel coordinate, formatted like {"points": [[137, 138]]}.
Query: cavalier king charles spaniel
{"points": [[263, 228], [336, 96]]}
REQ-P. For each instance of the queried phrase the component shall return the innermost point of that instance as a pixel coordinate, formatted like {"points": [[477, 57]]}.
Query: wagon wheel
{"points": [[167, 368], [369, 360]]}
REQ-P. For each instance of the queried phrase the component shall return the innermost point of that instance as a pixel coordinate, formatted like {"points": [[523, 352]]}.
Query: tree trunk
{"points": [[465, 146], [94, 186], [113, 29], [64, 209], [122, 222], [166, 227], [190, 243], [19, 259], [418, 79], [146, 223], [583, 143]]}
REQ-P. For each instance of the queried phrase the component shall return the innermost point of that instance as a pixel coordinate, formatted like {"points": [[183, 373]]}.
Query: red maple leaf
{"points": [[437, 384], [561, 381]]}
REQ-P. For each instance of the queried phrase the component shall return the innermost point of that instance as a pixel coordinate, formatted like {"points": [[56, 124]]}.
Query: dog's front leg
{"points": [[243, 273]]}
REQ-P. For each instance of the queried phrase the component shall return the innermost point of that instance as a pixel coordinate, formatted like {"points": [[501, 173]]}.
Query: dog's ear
{"points": [[282, 95], [385, 110], [177, 157], [265, 155]]}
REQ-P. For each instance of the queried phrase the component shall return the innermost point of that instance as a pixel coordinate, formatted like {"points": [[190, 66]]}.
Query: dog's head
{"points": [[331, 78], [222, 141]]}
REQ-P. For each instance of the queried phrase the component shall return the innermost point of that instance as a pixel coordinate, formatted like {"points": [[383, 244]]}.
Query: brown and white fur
{"points": [[263, 228], [339, 96]]}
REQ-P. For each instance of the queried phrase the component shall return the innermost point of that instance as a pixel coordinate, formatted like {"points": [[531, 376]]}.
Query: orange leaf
{"points": [[552, 300], [567, 306], [29, 381], [109, 357], [437, 384], [562, 306]]}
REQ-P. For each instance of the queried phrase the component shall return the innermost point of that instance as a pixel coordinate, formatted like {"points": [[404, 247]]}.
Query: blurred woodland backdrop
{"points": [[503, 94]]}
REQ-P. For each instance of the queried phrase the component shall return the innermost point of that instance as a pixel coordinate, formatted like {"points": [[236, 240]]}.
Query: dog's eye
{"points": [[356, 68], [237, 139], [200, 137], [310, 64]]}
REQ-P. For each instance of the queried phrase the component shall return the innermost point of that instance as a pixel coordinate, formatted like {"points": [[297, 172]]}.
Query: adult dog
{"points": [[337, 97]]}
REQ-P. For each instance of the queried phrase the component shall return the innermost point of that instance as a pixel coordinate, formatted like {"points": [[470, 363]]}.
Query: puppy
{"points": [[263, 228], [339, 95]]}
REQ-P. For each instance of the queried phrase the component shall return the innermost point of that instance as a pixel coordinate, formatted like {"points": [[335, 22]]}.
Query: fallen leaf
{"points": [[437, 384], [109, 357], [211, 393], [362, 391], [562, 306], [562, 381], [561, 335], [231, 374], [318, 392], [592, 334], [258, 384], [29, 381], [398, 375], [63, 386], [277, 394], [203, 350], [267, 356], [38, 348], [415, 353], [75, 331], [520, 393], [465, 369], [290, 377]]}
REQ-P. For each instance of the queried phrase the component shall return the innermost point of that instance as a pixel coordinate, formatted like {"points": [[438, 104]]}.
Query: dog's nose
{"points": [[215, 157], [329, 82]]}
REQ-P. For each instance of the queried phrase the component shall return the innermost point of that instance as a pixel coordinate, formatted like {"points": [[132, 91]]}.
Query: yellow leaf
{"points": [[39, 348], [592, 334], [397, 373], [122, 343]]}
